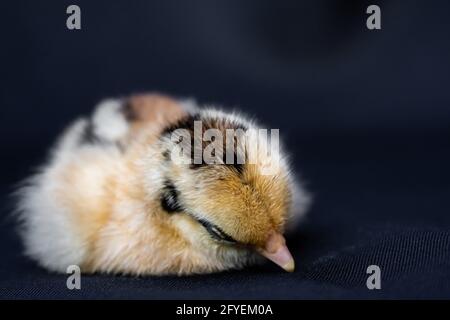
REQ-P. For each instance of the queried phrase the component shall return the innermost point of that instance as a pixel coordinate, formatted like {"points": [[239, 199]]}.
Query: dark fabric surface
{"points": [[365, 115]]}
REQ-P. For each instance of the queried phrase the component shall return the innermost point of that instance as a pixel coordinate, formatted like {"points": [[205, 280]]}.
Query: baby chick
{"points": [[113, 199]]}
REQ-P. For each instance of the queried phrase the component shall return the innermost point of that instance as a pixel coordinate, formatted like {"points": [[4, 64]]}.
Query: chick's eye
{"points": [[215, 232]]}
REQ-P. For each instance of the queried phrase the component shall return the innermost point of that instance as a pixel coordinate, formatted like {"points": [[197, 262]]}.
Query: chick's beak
{"points": [[275, 249]]}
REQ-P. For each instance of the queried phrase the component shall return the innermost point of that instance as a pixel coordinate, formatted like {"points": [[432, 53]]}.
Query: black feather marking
{"points": [[170, 198], [166, 155], [187, 123], [88, 136], [128, 112]]}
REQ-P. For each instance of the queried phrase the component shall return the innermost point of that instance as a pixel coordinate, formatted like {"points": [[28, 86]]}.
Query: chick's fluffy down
{"points": [[110, 200]]}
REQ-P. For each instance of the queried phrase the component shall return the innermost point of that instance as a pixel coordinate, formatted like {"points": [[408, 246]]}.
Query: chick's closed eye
{"points": [[215, 232]]}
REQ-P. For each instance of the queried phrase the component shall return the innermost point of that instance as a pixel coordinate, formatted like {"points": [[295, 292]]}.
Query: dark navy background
{"points": [[366, 115]]}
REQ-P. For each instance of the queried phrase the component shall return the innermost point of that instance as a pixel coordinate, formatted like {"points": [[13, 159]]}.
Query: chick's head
{"points": [[232, 205]]}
